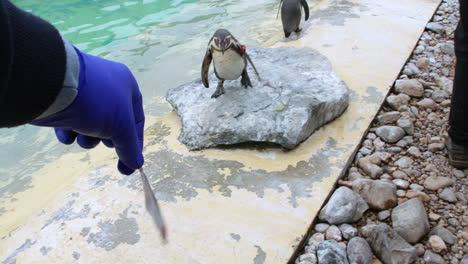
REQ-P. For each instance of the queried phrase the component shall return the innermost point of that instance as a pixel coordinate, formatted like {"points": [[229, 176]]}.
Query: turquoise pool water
{"points": [[162, 42]]}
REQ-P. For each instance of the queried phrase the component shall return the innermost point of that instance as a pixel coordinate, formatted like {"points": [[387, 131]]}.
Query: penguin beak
{"points": [[222, 47]]}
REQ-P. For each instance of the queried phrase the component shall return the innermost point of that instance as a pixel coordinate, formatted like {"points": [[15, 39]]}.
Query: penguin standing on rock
{"points": [[230, 61], [291, 15]]}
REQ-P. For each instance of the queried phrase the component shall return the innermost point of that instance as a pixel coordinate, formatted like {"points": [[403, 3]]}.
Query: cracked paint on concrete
{"points": [[111, 234], [260, 257], [373, 95], [337, 12], [190, 174], [76, 255], [66, 213], [11, 259], [44, 250]]}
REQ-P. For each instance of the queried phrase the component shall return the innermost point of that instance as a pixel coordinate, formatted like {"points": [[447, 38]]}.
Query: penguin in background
{"points": [[230, 61], [291, 15]]}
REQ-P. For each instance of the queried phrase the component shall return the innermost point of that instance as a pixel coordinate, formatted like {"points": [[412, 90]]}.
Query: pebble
{"points": [[354, 176], [439, 96], [348, 231], [434, 217], [407, 125], [414, 152], [390, 247], [434, 183], [422, 63], [410, 87], [333, 233], [448, 195], [458, 173], [382, 215], [400, 193], [419, 194], [390, 134], [427, 103], [378, 194], [435, 27], [444, 234], [359, 251], [404, 162], [419, 249], [344, 206], [321, 227], [447, 48], [308, 257], [410, 221], [437, 244], [395, 101], [389, 117], [330, 252], [432, 258], [434, 147], [417, 187], [398, 174], [402, 184]]}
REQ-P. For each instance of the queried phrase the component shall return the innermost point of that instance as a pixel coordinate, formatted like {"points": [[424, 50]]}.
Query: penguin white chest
{"points": [[228, 66]]}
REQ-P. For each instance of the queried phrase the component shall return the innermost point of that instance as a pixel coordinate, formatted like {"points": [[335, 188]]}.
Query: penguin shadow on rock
{"points": [[291, 15], [230, 60]]}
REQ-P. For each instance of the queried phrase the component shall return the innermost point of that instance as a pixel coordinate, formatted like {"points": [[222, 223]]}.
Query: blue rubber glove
{"points": [[108, 108]]}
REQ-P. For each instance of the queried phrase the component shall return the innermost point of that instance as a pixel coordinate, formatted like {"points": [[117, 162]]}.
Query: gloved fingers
{"points": [[124, 169], [139, 115], [87, 142], [66, 137], [108, 143], [128, 148]]}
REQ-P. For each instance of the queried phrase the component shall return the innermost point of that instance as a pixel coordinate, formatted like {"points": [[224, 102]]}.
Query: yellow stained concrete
{"points": [[367, 51]]}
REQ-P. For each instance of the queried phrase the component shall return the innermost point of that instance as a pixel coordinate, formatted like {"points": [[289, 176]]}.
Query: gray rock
{"points": [[434, 183], [278, 109], [359, 251], [388, 118], [404, 162], [427, 103], [447, 48], [415, 152], [402, 184], [333, 233], [344, 206], [458, 173], [330, 252], [465, 259], [354, 176], [321, 227], [411, 70], [382, 215], [348, 231], [410, 87], [399, 175], [439, 96], [390, 247], [432, 258], [390, 134], [316, 239], [437, 244], [445, 234], [410, 220], [308, 258], [380, 195], [448, 195], [396, 101], [435, 27], [407, 125]]}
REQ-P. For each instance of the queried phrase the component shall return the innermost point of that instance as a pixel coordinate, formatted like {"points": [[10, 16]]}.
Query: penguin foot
{"points": [[245, 80], [298, 30], [287, 34], [219, 91]]}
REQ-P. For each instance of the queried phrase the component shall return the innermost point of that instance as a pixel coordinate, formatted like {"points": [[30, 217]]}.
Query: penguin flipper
{"points": [[206, 67], [279, 7], [253, 66], [306, 9]]}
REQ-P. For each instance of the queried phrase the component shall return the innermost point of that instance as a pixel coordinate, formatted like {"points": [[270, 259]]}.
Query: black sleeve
{"points": [[32, 65]]}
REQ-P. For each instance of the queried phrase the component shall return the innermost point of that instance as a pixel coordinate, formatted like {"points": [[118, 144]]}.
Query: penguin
{"points": [[230, 61], [291, 15]]}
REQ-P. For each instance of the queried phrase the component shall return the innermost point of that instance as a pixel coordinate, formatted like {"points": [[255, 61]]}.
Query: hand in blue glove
{"points": [[108, 108]]}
